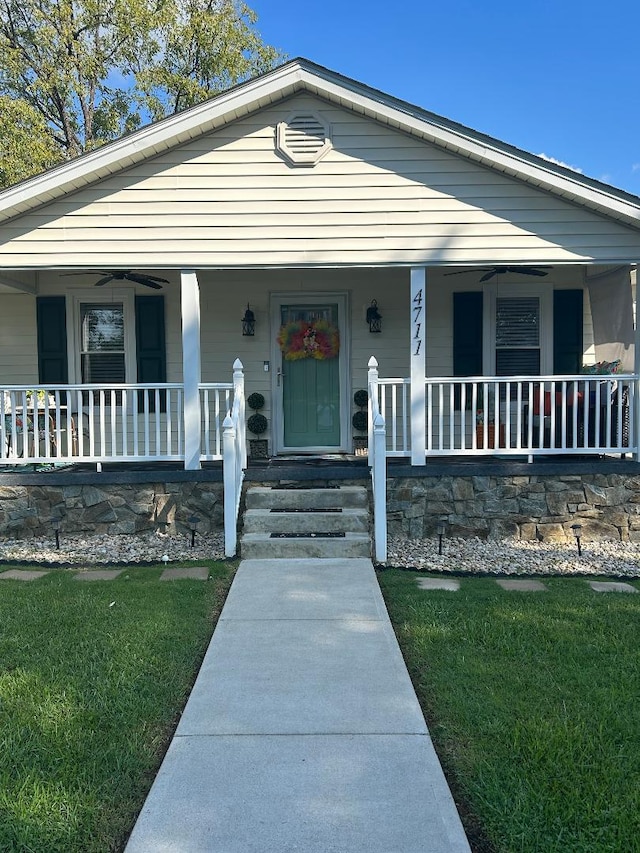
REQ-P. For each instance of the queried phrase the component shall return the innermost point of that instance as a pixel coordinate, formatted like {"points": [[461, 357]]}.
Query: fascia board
{"points": [[455, 140]]}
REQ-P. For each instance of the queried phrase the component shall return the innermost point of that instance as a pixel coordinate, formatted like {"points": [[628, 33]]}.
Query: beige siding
{"points": [[378, 198], [18, 342]]}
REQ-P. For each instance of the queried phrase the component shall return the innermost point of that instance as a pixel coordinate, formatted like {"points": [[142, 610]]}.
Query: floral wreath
{"points": [[319, 340]]}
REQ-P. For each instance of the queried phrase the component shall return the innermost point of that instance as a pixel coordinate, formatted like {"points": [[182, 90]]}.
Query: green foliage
{"points": [[257, 424], [26, 147], [255, 401], [361, 398], [360, 421], [82, 72]]}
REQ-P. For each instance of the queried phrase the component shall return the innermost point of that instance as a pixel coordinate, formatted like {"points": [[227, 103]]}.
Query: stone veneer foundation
{"points": [[486, 499], [27, 510], [541, 506]]}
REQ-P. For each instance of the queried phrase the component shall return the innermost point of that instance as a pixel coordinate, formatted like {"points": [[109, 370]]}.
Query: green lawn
{"points": [[93, 676], [533, 702]]}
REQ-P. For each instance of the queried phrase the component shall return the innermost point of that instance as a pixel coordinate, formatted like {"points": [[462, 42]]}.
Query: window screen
{"points": [[518, 336], [102, 342]]}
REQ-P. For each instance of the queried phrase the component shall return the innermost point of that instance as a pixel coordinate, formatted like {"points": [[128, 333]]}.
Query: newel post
{"points": [[238, 394], [380, 489], [372, 388], [229, 475]]}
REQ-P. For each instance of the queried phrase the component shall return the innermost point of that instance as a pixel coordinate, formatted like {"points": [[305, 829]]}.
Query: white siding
{"points": [[379, 197]]}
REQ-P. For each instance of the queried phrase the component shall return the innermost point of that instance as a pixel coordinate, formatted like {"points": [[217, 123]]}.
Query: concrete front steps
{"points": [[283, 522]]}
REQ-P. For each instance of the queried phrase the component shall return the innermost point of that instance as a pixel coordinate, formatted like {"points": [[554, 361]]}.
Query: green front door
{"points": [[311, 386]]}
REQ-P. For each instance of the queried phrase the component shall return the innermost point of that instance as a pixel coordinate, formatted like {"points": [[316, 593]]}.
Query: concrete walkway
{"points": [[303, 732]]}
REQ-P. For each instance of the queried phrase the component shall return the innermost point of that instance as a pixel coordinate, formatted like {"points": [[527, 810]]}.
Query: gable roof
{"points": [[301, 75]]}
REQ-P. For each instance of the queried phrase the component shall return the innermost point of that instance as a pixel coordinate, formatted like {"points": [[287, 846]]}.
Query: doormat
{"points": [[308, 535], [325, 509]]}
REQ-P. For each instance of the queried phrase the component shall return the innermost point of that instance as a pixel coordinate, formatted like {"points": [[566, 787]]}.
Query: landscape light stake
{"points": [[55, 523], [577, 530], [440, 532], [193, 523]]}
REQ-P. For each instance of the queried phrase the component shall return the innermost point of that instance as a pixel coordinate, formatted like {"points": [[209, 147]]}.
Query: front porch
{"points": [[466, 429]]}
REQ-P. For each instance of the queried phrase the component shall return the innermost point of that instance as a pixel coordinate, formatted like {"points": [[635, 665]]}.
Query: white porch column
{"points": [[191, 372], [636, 369], [418, 364]]}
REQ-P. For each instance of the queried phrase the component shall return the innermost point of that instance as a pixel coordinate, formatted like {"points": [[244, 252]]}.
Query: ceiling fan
{"points": [[489, 272], [124, 275]]}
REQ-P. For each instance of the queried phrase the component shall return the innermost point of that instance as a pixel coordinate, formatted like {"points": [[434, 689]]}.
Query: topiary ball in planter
{"points": [[360, 421], [257, 424], [361, 399], [255, 401]]}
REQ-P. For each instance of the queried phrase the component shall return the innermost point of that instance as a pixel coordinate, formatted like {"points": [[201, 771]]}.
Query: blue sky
{"points": [[555, 78]]}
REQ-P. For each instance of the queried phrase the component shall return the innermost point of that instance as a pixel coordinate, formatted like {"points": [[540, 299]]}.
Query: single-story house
{"points": [[304, 236]]}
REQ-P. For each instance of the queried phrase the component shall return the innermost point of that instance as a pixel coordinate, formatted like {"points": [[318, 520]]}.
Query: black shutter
{"points": [[151, 354], [567, 331], [51, 319], [467, 337]]}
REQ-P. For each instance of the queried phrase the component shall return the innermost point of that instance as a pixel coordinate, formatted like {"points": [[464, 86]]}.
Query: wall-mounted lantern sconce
{"points": [[248, 323], [374, 318]]}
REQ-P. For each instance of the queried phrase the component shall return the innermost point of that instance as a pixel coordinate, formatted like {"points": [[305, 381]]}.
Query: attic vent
{"points": [[304, 138]]}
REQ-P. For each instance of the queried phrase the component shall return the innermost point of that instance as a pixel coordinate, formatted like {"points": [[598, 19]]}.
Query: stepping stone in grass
{"points": [[21, 575], [197, 573], [439, 583], [98, 575], [611, 586], [522, 585]]}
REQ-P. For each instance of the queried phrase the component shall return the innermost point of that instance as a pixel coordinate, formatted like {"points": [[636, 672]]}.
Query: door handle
{"points": [[279, 376]]}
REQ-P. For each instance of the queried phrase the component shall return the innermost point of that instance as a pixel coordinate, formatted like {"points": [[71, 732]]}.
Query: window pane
{"points": [[102, 342], [102, 327], [518, 322], [103, 368], [518, 362]]}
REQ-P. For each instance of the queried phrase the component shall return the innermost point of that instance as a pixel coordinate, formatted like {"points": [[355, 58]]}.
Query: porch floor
{"points": [[325, 467]]}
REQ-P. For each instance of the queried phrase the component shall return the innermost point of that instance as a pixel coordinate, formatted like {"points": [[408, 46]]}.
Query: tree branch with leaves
{"points": [[79, 73]]}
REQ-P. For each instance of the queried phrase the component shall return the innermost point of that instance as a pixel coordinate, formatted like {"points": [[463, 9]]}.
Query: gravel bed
{"points": [[475, 556], [107, 550], [467, 556]]}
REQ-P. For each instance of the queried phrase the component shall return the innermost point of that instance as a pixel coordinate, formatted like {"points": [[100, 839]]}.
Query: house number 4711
{"points": [[417, 321]]}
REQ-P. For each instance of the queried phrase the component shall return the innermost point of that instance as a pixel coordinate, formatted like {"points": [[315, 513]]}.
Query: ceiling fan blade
{"points": [[489, 275], [152, 278], [528, 270], [104, 280], [465, 272], [147, 280]]}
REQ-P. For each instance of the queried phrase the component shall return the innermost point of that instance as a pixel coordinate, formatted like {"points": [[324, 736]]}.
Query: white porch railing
{"points": [[516, 415], [91, 423]]}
